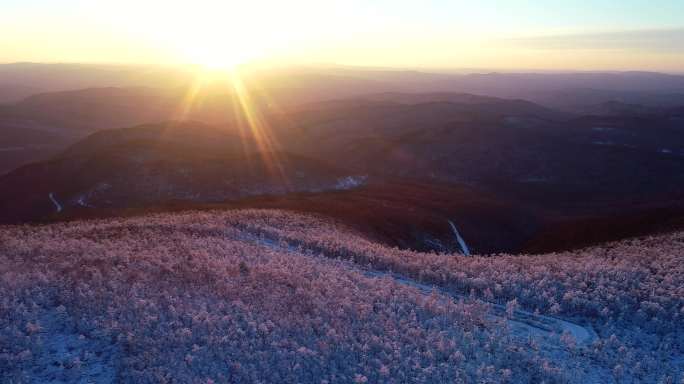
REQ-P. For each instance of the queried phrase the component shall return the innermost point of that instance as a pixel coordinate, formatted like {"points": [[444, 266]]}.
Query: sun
{"points": [[217, 50], [216, 57], [218, 34]]}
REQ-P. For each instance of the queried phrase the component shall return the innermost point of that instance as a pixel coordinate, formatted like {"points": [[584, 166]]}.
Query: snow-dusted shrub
{"points": [[187, 298], [614, 282], [271, 296], [633, 289]]}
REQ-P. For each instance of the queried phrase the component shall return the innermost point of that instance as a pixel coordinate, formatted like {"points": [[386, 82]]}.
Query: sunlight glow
{"points": [[216, 53], [220, 34], [438, 34], [260, 130], [253, 128]]}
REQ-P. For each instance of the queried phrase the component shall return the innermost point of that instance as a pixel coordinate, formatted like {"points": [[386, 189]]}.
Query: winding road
{"points": [[523, 324]]}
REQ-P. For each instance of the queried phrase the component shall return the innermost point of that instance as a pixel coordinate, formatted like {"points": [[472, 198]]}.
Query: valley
{"points": [[340, 225], [399, 165]]}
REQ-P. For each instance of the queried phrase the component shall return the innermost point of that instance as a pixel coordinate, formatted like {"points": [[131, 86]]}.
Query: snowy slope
{"points": [[273, 296]]}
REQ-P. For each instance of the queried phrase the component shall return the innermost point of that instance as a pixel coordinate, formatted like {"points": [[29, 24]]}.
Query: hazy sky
{"points": [[511, 34]]}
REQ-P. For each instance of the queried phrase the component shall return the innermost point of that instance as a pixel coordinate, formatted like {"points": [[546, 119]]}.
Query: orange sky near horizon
{"points": [[496, 34]]}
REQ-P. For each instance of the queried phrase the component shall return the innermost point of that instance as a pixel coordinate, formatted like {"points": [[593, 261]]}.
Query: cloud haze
{"points": [[661, 41], [574, 34]]}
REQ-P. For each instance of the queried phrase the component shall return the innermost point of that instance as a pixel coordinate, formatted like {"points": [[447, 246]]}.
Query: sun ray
{"points": [[259, 129], [247, 120], [189, 100]]}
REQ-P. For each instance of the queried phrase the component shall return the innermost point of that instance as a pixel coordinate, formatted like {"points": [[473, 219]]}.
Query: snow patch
{"points": [[533, 179], [350, 182], [464, 247], [12, 149], [58, 206], [599, 142], [602, 129], [83, 203], [66, 356]]}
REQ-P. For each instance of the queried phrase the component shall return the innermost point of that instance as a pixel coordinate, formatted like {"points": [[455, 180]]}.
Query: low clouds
{"points": [[655, 40]]}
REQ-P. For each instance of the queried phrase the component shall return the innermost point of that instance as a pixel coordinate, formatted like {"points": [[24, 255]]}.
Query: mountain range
{"points": [[506, 172]]}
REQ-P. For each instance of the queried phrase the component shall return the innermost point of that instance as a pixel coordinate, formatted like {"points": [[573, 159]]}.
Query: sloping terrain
{"points": [[451, 137], [74, 100], [152, 165], [496, 144], [23, 142], [64, 118], [90, 110], [272, 296], [401, 166], [55, 77]]}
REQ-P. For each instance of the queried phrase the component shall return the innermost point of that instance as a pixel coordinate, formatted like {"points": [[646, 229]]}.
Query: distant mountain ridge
{"points": [[390, 142], [150, 165]]}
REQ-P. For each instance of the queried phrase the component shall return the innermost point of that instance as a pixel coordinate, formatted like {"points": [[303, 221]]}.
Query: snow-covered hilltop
{"points": [[272, 296]]}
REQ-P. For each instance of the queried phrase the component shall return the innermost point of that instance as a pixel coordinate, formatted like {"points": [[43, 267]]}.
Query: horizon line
{"points": [[319, 65]]}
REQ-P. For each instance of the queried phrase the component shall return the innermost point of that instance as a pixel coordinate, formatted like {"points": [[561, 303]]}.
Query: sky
{"points": [[438, 34]]}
